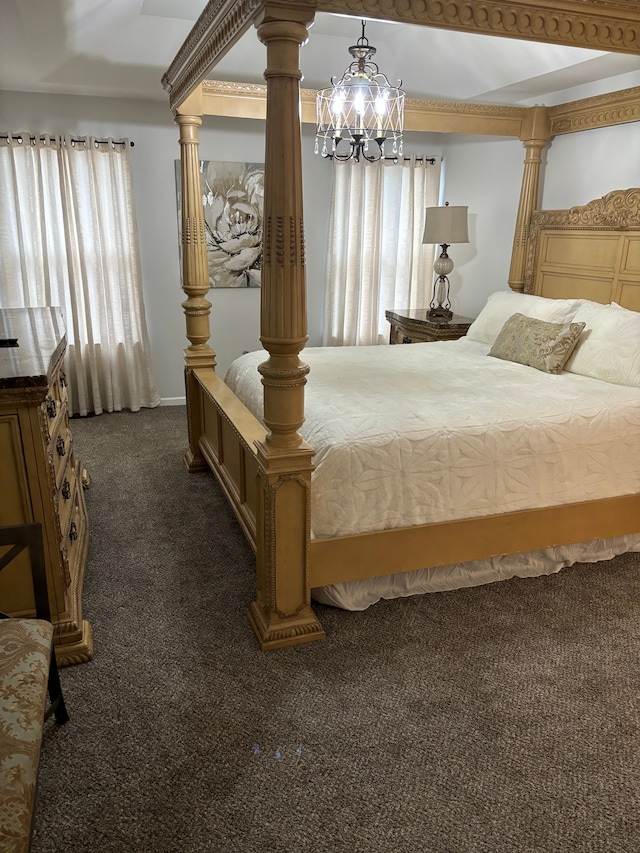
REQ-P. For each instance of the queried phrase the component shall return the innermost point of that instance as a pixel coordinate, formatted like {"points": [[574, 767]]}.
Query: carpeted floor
{"points": [[499, 719]]}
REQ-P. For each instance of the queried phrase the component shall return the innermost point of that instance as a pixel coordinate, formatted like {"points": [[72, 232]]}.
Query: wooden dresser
{"points": [[40, 478]]}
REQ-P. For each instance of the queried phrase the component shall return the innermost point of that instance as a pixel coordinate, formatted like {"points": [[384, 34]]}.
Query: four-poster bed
{"points": [[264, 465]]}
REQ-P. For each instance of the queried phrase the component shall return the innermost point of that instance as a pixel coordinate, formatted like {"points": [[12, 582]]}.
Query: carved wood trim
{"points": [[271, 485], [612, 25], [219, 26], [599, 111], [618, 210], [248, 100]]}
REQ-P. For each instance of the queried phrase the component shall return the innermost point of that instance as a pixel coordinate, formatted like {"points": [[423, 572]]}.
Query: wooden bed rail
{"points": [[227, 434], [339, 559]]}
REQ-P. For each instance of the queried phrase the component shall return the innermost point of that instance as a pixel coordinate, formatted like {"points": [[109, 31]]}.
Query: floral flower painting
{"points": [[232, 197]]}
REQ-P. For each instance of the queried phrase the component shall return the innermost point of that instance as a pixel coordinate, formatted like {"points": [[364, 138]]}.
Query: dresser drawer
{"points": [[74, 533], [54, 406], [59, 450], [65, 499]]}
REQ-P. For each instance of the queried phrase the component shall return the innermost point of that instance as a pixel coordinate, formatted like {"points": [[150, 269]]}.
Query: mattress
{"points": [[408, 435]]}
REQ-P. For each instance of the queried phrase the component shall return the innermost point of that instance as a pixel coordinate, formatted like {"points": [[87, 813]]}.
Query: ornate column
{"points": [[535, 133], [195, 272], [283, 317], [282, 615]]}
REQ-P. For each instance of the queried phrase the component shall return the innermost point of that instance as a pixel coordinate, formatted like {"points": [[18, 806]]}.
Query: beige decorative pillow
{"points": [[537, 343]]}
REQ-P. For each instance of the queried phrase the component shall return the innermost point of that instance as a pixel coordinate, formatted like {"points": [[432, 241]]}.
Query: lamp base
{"points": [[440, 313]]}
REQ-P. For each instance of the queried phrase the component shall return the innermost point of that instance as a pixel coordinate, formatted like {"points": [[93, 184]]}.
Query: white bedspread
{"points": [[407, 435]]}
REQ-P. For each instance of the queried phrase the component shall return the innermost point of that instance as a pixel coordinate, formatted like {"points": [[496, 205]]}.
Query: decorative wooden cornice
{"points": [[219, 26], [236, 100], [612, 25], [599, 111], [248, 100], [462, 117], [618, 210]]}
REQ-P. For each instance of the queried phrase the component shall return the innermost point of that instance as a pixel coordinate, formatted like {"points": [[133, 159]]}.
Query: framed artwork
{"points": [[232, 197]]}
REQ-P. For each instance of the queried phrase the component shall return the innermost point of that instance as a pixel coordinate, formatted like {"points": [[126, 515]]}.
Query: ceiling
{"points": [[121, 48]]}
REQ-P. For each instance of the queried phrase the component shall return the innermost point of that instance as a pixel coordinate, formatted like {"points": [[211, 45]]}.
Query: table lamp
{"points": [[444, 226]]}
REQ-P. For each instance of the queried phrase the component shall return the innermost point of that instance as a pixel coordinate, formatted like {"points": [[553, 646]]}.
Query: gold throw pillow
{"points": [[536, 343]]}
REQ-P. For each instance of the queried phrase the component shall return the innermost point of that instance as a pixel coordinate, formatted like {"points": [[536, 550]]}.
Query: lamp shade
{"points": [[446, 225]]}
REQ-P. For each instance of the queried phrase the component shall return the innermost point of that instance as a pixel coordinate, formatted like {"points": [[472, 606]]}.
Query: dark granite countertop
{"points": [[41, 340]]}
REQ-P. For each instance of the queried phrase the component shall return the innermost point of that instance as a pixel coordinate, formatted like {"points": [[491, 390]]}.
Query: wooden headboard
{"points": [[589, 252]]}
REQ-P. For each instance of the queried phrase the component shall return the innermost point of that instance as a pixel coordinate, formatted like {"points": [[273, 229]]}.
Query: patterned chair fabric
{"points": [[25, 656]]}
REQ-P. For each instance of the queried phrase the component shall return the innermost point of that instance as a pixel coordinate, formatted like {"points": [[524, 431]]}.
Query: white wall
{"points": [[485, 174], [580, 167]]}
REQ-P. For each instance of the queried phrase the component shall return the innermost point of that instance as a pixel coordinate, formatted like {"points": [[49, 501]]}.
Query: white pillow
{"points": [[504, 303], [609, 346]]}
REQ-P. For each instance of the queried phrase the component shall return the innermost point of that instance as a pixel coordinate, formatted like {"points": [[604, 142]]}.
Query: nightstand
{"points": [[412, 326]]}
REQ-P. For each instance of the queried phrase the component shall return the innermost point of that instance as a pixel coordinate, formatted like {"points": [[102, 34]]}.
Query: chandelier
{"points": [[359, 113]]}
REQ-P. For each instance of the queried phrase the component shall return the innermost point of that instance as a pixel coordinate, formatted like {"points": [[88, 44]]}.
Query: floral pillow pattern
{"points": [[536, 343]]}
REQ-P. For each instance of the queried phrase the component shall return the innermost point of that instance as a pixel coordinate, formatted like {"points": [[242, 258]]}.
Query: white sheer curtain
{"points": [[68, 238], [376, 257]]}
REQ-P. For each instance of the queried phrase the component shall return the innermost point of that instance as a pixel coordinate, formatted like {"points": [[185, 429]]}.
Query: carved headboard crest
{"points": [[616, 211]]}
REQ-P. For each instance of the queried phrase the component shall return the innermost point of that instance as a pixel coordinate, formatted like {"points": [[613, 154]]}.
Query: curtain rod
{"points": [[32, 138], [431, 160]]}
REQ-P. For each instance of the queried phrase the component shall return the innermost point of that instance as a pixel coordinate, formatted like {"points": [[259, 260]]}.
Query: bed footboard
{"points": [[226, 434], [269, 494]]}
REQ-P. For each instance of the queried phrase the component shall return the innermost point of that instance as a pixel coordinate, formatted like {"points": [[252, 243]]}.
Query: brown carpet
{"points": [[499, 719]]}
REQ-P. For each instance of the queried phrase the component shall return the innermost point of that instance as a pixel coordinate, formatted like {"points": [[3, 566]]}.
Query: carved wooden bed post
{"points": [[195, 271], [282, 614], [535, 133]]}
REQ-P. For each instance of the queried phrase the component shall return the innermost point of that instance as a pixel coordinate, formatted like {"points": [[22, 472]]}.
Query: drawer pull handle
{"points": [[51, 407], [73, 532], [63, 379], [66, 489], [60, 446]]}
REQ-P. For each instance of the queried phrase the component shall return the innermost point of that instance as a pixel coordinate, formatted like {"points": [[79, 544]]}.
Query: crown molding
{"points": [[219, 26], [598, 111], [612, 25], [462, 117], [248, 100]]}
